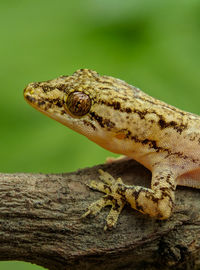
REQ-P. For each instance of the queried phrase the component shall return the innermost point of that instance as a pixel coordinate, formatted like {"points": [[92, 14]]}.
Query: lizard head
{"points": [[85, 102]]}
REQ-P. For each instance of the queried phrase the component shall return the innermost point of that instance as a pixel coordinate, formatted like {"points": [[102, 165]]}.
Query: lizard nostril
{"points": [[28, 90], [28, 94]]}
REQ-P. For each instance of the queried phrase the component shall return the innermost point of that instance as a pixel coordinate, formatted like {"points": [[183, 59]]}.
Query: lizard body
{"points": [[125, 120]]}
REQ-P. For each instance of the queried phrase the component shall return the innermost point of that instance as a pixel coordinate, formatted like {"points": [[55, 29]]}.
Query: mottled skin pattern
{"points": [[125, 120]]}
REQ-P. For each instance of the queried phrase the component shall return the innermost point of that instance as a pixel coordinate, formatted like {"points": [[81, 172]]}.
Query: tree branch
{"points": [[40, 223]]}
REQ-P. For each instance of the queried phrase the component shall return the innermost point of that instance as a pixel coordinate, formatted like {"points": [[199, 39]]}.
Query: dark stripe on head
{"points": [[103, 122], [89, 124], [47, 88], [162, 123]]}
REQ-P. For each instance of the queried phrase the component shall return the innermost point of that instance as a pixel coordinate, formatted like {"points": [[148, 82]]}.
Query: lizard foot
{"points": [[109, 186]]}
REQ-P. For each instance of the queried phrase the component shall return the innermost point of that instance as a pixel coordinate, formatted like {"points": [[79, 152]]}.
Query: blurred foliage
{"points": [[151, 44]]}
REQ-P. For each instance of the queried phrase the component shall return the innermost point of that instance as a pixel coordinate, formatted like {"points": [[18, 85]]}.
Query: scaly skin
{"points": [[125, 120]]}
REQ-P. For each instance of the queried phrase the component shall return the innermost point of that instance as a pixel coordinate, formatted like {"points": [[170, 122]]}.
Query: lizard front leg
{"points": [[156, 202]]}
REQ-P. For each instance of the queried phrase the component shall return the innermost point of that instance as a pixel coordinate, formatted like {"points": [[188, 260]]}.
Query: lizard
{"points": [[123, 119]]}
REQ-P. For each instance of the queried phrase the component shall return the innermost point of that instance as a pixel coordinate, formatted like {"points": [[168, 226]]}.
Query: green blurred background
{"points": [[153, 45]]}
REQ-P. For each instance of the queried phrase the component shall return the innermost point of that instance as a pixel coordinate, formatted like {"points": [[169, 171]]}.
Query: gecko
{"points": [[124, 120]]}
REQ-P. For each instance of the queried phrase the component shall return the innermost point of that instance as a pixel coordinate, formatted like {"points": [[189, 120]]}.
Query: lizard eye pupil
{"points": [[78, 103]]}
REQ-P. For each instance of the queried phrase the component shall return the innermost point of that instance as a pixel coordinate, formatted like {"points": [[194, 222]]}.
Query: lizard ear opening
{"points": [[77, 104]]}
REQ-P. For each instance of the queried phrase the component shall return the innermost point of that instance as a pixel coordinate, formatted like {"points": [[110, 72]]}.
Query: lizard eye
{"points": [[78, 103]]}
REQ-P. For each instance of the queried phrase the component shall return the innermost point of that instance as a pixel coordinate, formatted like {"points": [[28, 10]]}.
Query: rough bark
{"points": [[40, 223]]}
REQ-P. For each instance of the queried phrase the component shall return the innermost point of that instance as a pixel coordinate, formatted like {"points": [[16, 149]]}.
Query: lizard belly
{"points": [[190, 179]]}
